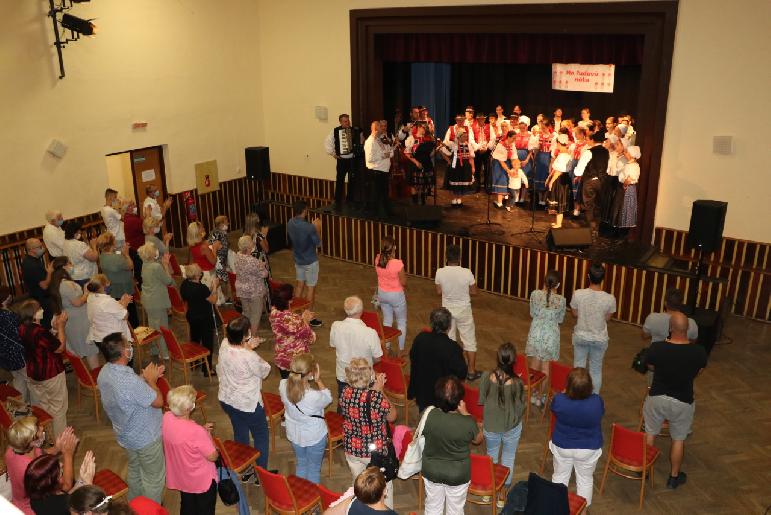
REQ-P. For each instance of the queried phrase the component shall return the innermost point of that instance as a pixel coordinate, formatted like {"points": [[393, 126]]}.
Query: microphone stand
{"points": [[531, 231], [488, 225]]}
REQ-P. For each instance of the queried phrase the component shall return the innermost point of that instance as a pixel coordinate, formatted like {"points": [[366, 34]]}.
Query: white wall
{"points": [[189, 68], [720, 82]]}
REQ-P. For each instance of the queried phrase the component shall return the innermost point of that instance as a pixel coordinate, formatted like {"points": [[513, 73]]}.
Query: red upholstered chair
{"points": [[9, 392], [111, 483], [396, 384], [296, 304], [471, 398], [532, 379], [86, 379], [140, 344], [418, 477], [327, 496], [236, 456], [558, 382], [164, 387], [186, 354], [576, 503], [178, 306], [630, 457], [43, 419], [334, 435], [176, 270], [288, 494], [487, 479], [386, 334], [546, 442], [274, 410]]}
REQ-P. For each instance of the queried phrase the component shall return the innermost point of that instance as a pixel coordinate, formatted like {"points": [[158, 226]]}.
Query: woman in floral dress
{"points": [[292, 332], [547, 309]]}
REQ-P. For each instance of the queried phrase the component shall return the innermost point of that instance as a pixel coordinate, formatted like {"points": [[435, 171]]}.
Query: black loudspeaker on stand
{"points": [[705, 234]]}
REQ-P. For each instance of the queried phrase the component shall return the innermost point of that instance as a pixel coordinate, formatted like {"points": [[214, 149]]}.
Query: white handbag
{"points": [[413, 458]]}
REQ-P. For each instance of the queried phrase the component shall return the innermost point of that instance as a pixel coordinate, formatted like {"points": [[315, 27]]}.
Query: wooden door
{"points": [[147, 167]]}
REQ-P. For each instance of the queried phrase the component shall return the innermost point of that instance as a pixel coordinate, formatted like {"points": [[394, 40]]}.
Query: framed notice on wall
{"points": [[206, 177], [595, 78]]}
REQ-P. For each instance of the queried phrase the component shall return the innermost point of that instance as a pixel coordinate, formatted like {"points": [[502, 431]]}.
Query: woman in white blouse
{"points": [[83, 256], [305, 398], [105, 314], [241, 372], [628, 177]]}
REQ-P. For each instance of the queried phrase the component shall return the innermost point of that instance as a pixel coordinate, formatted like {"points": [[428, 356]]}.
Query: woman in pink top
{"points": [[190, 454], [25, 438], [391, 281]]}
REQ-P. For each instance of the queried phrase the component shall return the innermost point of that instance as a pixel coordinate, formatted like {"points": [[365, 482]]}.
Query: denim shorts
{"points": [[309, 274]]}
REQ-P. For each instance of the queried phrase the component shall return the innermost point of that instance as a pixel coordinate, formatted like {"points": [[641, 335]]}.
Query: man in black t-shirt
{"points": [[36, 276], [675, 363]]}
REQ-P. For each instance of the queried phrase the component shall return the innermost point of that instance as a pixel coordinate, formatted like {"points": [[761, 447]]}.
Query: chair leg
{"points": [[642, 488], [604, 475], [96, 405], [527, 406], [272, 428], [545, 455], [329, 461], [420, 491], [203, 412], [78, 383], [546, 406], [184, 372], [208, 368]]}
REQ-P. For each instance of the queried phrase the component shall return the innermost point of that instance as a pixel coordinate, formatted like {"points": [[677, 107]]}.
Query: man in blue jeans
{"points": [[593, 307], [305, 240]]}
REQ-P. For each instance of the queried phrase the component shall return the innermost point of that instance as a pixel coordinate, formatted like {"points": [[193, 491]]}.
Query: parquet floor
{"points": [[728, 456]]}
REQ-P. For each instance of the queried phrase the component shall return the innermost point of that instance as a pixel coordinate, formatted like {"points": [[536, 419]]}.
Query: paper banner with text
{"points": [[595, 78], [206, 177]]}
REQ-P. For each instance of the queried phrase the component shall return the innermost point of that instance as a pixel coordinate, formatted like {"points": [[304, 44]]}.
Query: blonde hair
{"points": [[252, 224], [105, 241], [221, 219], [303, 365], [195, 233], [148, 224], [181, 399], [192, 271], [21, 433], [245, 242], [148, 252], [358, 373]]}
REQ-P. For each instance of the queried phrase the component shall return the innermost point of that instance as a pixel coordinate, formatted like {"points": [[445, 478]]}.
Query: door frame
{"points": [[161, 171]]}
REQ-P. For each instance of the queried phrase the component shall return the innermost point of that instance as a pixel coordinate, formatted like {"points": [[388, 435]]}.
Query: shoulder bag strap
{"points": [[301, 411], [419, 430]]}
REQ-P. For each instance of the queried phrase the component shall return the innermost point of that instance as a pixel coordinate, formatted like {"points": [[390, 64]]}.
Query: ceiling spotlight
{"points": [[79, 25]]}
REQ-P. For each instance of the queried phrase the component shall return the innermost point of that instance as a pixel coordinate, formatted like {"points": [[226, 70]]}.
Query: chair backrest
{"points": [[406, 441], [137, 295], [522, 370], [276, 488], [171, 342], [395, 381], [627, 445], [5, 418], [223, 452], [471, 398], [371, 320], [482, 470], [177, 304], [164, 387], [327, 496], [81, 372], [175, 268], [552, 423], [558, 376]]}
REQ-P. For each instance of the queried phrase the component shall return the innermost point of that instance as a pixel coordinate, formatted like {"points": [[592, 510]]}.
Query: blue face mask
{"points": [[107, 289], [60, 222]]}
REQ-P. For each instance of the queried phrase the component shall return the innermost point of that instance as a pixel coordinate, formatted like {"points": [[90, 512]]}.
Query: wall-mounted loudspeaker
{"points": [[257, 163], [707, 221]]}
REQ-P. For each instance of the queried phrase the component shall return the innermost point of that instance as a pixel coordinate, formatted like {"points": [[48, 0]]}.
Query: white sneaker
{"points": [[508, 208]]}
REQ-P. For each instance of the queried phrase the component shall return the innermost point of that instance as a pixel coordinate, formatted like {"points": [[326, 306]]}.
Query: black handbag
{"points": [[640, 361], [385, 459], [225, 487]]}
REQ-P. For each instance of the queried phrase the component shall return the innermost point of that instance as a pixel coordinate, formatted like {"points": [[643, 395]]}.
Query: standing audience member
{"points": [[112, 217], [83, 256], [68, 296], [53, 234], [305, 238], [200, 312], [190, 454], [391, 282], [448, 431], [105, 314], [133, 404], [36, 276], [456, 284], [675, 362], [547, 309], [593, 308], [45, 368], [151, 207], [656, 325], [434, 355], [351, 338], [203, 255], [11, 348], [250, 281], [305, 397], [26, 440], [366, 411], [292, 332], [502, 394], [135, 237], [241, 372], [151, 229], [369, 490], [576, 442], [48, 481], [220, 234], [118, 266], [156, 278]]}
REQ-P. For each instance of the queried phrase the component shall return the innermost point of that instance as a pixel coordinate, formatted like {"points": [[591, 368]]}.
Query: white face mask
{"points": [[156, 230], [130, 353], [224, 227], [38, 315]]}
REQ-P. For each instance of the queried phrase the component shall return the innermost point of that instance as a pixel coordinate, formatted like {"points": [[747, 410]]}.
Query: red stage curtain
{"points": [[511, 48]]}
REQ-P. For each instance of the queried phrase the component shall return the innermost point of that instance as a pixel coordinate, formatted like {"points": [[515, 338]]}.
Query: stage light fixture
{"points": [[78, 25]]}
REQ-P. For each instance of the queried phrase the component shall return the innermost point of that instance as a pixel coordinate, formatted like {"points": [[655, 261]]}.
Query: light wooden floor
{"points": [[728, 457]]}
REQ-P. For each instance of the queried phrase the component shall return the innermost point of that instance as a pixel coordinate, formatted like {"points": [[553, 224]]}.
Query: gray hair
{"points": [[353, 306], [245, 242], [52, 215], [440, 320]]}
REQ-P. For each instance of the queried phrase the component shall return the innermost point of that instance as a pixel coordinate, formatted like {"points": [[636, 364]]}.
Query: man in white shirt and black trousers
{"points": [[344, 145], [377, 156]]}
